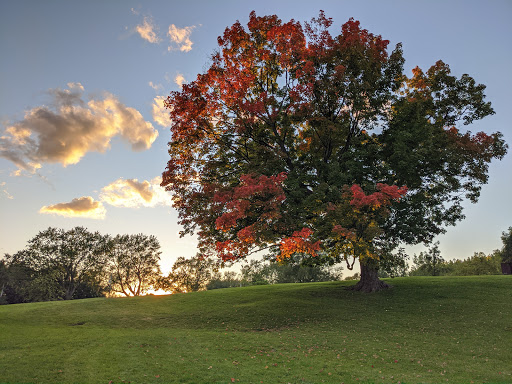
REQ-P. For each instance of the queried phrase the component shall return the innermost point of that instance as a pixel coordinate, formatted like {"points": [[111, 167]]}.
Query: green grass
{"points": [[424, 330]]}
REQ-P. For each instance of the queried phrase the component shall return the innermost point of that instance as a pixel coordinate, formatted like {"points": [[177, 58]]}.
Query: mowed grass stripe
{"points": [[424, 330]]}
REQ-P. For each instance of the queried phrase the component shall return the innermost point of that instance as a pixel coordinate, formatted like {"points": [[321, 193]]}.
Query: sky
{"points": [[83, 135]]}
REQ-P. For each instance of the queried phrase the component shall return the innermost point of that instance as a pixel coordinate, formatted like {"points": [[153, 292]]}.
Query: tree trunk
{"points": [[70, 290], [369, 282]]}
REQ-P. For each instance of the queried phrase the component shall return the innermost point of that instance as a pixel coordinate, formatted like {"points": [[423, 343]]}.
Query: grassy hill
{"points": [[425, 330]]}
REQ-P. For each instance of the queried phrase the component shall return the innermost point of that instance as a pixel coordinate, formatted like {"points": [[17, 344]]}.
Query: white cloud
{"points": [[72, 127], [159, 112], [148, 31], [132, 193], [85, 207], [179, 79], [180, 38]]}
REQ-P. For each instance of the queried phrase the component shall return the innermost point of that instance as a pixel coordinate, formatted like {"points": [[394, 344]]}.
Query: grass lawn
{"points": [[424, 330]]}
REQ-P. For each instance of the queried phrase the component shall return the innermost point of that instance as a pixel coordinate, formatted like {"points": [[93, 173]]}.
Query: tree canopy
{"points": [[299, 141]]}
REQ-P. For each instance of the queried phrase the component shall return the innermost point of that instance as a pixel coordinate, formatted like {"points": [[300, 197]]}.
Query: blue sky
{"points": [[72, 70]]}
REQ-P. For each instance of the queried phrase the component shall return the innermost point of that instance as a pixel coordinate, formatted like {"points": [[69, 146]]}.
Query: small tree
{"points": [[133, 264], [428, 263], [190, 275], [254, 273]]}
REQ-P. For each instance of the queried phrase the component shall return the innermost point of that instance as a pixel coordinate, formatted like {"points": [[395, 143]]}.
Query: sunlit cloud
{"points": [[127, 193], [148, 31], [180, 38], [85, 207], [159, 112], [132, 193], [179, 79], [70, 127]]}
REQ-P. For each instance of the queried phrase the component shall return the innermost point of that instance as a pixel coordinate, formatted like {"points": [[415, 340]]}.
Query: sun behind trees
{"points": [[298, 141]]}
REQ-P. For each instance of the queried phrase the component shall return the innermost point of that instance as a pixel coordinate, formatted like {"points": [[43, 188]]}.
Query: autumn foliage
{"points": [[299, 141]]}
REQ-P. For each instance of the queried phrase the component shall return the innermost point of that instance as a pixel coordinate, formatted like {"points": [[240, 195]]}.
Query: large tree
{"points": [[299, 141]]}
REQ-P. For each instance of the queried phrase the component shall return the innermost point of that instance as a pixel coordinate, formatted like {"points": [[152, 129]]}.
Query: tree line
{"points": [[76, 264], [60, 264], [431, 263]]}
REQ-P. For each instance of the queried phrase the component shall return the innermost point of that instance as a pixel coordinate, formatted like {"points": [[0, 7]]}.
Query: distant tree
{"points": [[67, 257], [314, 143], [190, 275], [228, 279], [478, 264], [133, 263], [428, 263], [355, 276], [297, 269], [254, 273], [506, 252], [301, 268]]}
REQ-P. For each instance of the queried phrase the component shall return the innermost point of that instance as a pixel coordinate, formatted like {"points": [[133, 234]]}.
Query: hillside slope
{"points": [[424, 330]]}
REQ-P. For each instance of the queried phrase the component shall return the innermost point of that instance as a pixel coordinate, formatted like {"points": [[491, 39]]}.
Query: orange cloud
{"points": [[70, 128], [81, 207], [133, 193]]}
